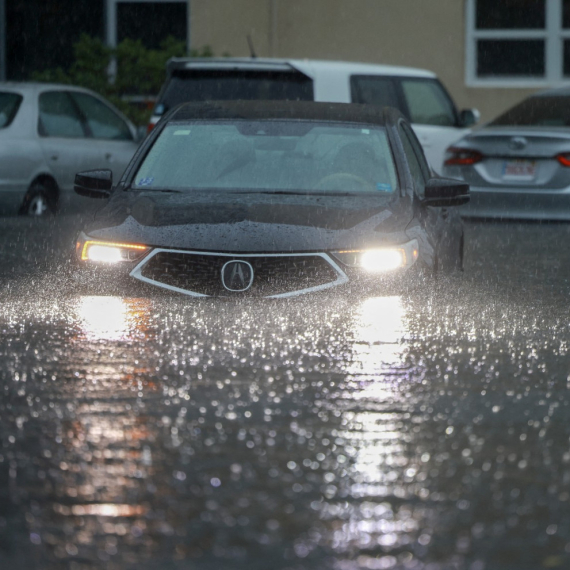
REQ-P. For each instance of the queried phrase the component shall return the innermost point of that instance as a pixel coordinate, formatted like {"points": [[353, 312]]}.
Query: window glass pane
{"points": [[374, 91], [415, 167], [9, 105], [58, 116], [510, 14], [419, 151], [102, 121], [510, 58], [270, 155], [540, 111], [566, 13], [566, 60], [151, 22], [428, 103]]}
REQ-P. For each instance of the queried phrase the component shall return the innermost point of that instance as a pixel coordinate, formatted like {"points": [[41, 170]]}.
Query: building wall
{"points": [[420, 33]]}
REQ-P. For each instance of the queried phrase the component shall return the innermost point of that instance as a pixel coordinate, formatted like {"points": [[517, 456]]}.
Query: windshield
{"points": [[270, 156], [222, 84], [537, 112], [9, 105]]}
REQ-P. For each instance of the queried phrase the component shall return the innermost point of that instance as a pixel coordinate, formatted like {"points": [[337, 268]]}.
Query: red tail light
{"points": [[564, 159], [456, 156], [151, 126]]}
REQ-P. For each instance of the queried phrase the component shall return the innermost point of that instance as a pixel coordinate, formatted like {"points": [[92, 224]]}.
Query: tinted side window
{"points": [[428, 103], [418, 173], [102, 121], [542, 111], [58, 116], [374, 90], [9, 105], [418, 150]]}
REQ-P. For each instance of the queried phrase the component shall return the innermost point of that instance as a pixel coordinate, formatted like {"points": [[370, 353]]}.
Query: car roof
{"points": [[557, 92], [37, 86], [286, 110], [310, 67]]}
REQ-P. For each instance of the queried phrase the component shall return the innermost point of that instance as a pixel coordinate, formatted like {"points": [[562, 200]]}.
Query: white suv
{"points": [[417, 93]]}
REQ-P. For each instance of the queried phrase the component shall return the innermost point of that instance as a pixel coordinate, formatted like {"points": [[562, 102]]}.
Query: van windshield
{"points": [[270, 157], [228, 84]]}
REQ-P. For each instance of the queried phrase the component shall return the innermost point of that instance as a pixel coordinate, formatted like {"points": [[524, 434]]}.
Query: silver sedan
{"points": [[48, 133], [518, 166]]}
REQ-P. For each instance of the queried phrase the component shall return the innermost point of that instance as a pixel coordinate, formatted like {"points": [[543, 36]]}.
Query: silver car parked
{"points": [[48, 133], [518, 166]]}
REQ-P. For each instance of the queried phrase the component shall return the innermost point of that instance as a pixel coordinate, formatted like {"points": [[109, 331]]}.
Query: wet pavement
{"points": [[424, 431]]}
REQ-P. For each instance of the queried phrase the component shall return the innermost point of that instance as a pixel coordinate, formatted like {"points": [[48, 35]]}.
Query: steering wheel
{"points": [[342, 178]]}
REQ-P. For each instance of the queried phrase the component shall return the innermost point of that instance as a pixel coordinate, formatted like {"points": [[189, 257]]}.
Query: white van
{"points": [[417, 93]]}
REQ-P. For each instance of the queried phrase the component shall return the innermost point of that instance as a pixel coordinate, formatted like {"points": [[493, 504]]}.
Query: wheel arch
{"points": [[48, 182]]}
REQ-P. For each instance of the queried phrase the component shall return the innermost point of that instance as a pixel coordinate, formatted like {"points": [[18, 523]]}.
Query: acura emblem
{"points": [[518, 143], [237, 276]]}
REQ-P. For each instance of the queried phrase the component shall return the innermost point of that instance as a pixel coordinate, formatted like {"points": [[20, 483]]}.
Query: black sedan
{"points": [[273, 199]]}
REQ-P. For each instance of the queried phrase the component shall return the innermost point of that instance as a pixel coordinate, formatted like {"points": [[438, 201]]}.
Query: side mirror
{"points": [[94, 183], [444, 192], [468, 118]]}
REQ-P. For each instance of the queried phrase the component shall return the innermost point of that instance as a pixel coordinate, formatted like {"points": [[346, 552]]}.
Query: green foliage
{"points": [[140, 72]]}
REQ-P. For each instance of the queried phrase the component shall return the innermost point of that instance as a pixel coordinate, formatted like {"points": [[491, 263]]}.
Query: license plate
{"points": [[519, 170]]}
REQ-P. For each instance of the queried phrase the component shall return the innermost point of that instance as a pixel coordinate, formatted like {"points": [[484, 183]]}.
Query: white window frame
{"points": [[111, 18], [553, 35]]}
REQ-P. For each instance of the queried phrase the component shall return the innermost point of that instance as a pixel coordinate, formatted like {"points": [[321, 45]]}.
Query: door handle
{"points": [[108, 155], [54, 156]]}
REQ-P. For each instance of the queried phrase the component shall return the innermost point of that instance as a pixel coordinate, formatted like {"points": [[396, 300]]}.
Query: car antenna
{"points": [[252, 53]]}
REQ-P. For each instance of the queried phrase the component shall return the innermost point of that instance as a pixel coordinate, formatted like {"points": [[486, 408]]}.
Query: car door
{"points": [[112, 138], [443, 225], [429, 217], [63, 138]]}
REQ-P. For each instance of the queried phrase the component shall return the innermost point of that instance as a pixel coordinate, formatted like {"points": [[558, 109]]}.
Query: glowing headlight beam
{"points": [[379, 260], [108, 252]]}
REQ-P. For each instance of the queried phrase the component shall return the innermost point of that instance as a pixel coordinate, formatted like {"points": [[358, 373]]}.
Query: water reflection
{"points": [[112, 318], [378, 331]]}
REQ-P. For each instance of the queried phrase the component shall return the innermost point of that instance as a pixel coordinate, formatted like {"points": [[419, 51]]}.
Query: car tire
{"points": [[38, 202]]}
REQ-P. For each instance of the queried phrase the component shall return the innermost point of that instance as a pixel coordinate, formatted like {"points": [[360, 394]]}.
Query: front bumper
{"points": [[279, 275]]}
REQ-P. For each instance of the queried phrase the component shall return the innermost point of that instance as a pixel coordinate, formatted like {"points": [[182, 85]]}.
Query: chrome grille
{"points": [[200, 273]]}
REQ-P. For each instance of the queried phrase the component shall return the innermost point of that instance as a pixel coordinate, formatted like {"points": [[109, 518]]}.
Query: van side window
{"points": [[416, 159], [374, 90], [428, 103]]}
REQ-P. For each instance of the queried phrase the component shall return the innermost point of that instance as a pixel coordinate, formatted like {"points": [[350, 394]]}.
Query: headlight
{"points": [[382, 259], [109, 252]]}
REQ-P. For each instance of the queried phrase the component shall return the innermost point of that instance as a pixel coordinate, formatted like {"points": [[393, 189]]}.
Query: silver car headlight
{"points": [[381, 259]]}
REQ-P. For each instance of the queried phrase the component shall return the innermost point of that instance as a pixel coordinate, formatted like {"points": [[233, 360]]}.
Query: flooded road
{"points": [[426, 431]]}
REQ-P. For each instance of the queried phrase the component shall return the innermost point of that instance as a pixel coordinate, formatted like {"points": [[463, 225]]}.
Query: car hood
{"points": [[251, 222]]}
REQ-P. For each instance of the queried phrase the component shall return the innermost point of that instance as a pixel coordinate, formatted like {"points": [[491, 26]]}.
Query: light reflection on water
{"points": [[220, 435], [111, 318]]}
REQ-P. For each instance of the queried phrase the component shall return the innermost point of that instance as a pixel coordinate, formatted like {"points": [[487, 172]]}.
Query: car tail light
{"points": [[564, 159], [150, 126], [456, 156]]}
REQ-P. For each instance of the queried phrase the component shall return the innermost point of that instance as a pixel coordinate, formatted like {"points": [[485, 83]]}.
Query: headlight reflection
{"points": [[379, 329], [111, 318]]}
